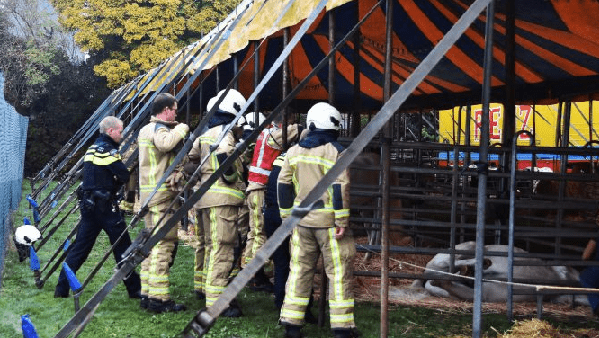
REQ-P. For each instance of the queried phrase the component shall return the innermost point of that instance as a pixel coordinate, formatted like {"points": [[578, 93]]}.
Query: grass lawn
{"points": [[118, 316]]}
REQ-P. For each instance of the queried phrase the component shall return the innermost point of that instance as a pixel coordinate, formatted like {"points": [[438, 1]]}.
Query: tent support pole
{"points": [[331, 91], [217, 80], [558, 124], [565, 142], [483, 170], [509, 116], [285, 84], [385, 171], [332, 61], [235, 71], [256, 73], [591, 127], [356, 116]]}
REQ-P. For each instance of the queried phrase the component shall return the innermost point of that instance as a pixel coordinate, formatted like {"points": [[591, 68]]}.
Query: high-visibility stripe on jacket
{"points": [[101, 164], [221, 192], [301, 170], [264, 156], [157, 141]]}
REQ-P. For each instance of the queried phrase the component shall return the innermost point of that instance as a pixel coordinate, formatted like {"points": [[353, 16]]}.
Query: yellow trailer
{"points": [[541, 120]]}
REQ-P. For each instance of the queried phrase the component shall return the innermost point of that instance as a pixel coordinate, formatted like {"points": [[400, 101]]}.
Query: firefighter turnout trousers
{"points": [[243, 227], [199, 245], [338, 256], [220, 236], [255, 236], [156, 267]]}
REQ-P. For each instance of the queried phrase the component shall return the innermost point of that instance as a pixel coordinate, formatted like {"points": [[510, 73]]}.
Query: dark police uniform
{"points": [[103, 174], [589, 278]]}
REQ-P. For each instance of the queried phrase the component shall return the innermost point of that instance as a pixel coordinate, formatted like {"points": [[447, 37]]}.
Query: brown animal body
{"points": [[573, 190]]}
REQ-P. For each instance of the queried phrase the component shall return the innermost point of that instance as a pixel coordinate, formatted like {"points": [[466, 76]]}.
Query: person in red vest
{"points": [[268, 146]]}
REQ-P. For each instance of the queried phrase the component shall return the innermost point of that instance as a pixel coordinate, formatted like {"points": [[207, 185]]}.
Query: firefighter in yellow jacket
{"points": [[220, 204], [157, 141], [323, 231]]}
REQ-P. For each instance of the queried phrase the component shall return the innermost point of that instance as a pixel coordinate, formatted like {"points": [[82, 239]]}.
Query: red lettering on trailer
{"points": [[524, 115], [494, 126]]}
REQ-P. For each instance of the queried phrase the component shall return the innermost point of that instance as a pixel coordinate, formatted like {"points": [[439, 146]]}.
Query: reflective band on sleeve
{"points": [[342, 213], [259, 170]]}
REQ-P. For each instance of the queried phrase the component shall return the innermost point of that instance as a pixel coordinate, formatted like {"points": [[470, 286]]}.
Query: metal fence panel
{"points": [[13, 137]]}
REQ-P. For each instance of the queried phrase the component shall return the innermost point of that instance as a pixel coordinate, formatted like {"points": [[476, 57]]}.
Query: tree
{"points": [[44, 79], [30, 42], [130, 37], [36, 20]]}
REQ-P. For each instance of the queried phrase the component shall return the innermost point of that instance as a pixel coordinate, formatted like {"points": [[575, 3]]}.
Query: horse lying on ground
{"points": [[495, 268]]}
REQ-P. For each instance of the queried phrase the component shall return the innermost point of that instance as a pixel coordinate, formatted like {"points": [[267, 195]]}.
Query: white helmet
{"points": [[27, 234], [231, 104], [250, 123], [324, 116], [241, 123]]}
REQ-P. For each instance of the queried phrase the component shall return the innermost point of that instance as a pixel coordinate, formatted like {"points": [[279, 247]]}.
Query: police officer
{"points": [[103, 175], [220, 204], [323, 231], [157, 142]]}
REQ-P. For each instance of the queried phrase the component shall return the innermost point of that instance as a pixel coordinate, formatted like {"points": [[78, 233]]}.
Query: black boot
{"points": [[310, 318], [133, 284], [199, 294], [60, 293], [135, 294], [261, 282], [158, 306], [233, 311], [293, 331], [346, 333], [143, 301]]}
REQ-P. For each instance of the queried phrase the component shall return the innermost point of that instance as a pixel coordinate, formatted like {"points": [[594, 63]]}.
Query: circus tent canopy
{"points": [[556, 52]]}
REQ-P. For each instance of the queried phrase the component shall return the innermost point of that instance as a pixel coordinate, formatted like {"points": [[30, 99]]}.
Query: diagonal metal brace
{"points": [[200, 324], [302, 212], [135, 251]]}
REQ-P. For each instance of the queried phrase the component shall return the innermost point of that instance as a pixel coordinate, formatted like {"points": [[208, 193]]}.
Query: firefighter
{"points": [[221, 203], [323, 231], [245, 126], [281, 257], [103, 175], [199, 247], [157, 142], [268, 146]]}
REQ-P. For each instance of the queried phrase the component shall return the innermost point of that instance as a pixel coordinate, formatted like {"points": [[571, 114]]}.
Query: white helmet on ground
{"points": [[231, 104], [323, 116], [27, 234]]}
